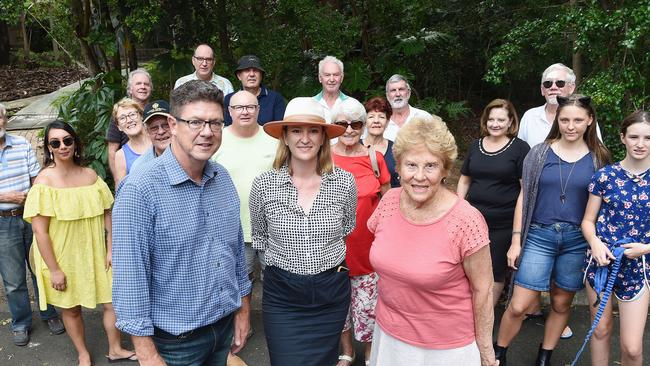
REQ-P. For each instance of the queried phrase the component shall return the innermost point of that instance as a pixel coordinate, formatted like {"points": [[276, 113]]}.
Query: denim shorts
{"points": [[554, 252]]}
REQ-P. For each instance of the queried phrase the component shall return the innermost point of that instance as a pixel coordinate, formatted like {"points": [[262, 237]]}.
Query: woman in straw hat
{"points": [[301, 212]]}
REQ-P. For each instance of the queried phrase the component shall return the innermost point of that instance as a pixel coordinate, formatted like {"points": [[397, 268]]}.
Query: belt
{"points": [[12, 213], [194, 333]]}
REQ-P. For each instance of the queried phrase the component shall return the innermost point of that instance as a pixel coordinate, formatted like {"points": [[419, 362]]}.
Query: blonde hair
{"points": [[324, 158], [433, 134], [126, 103]]}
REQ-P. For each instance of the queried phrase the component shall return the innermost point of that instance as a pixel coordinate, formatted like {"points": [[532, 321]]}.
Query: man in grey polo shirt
{"points": [[18, 170]]}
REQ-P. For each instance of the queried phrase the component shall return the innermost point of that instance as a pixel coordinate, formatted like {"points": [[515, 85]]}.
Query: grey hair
{"points": [[352, 109], [396, 79], [195, 91], [132, 74], [329, 59], [3, 111], [570, 75]]}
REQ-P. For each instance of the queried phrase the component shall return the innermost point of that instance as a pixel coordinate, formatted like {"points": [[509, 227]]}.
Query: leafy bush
{"points": [[89, 110]]}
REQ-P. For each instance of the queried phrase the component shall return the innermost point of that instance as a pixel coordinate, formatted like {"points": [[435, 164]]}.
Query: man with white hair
{"points": [[557, 80], [203, 62], [330, 76], [138, 88], [398, 93]]}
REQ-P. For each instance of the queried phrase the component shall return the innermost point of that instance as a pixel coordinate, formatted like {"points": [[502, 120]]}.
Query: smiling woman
{"points": [[432, 257], [127, 113]]}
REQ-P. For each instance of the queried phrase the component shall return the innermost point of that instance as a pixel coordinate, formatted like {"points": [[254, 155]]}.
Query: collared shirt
{"points": [[299, 242], [178, 249], [534, 126], [271, 104], [219, 81], [18, 166], [392, 128], [143, 159], [328, 111]]}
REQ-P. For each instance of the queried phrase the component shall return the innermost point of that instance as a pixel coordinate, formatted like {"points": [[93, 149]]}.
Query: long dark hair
{"points": [[78, 147], [603, 157]]}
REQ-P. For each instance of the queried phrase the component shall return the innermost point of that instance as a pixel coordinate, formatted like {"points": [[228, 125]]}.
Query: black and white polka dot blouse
{"points": [[292, 240]]}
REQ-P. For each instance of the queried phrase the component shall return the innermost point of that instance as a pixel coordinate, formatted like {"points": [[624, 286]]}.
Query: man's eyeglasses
{"points": [[216, 125], [204, 59], [67, 141], [156, 128], [131, 116], [549, 83], [248, 108], [356, 125]]}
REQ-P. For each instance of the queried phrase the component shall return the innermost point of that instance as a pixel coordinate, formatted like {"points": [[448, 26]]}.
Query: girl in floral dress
{"points": [[618, 211]]}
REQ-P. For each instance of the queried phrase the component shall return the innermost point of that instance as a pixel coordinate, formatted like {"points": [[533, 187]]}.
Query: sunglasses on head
{"points": [[583, 100], [67, 141], [549, 83], [356, 125]]}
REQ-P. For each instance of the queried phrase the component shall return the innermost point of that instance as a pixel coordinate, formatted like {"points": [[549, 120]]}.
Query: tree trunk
{"points": [[224, 39], [23, 31], [576, 61], [81, 12], [55, 46], [4, 43], [129, 49]]}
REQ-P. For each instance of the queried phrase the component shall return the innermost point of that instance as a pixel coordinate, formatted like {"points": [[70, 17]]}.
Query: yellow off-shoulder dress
{"points": [[78, 241]]}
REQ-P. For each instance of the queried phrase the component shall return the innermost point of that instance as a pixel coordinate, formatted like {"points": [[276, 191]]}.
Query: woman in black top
{"points": [[491, 179]]}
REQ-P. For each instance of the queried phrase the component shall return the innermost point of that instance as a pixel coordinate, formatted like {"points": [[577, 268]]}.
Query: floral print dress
{"points": [[624, 214]]}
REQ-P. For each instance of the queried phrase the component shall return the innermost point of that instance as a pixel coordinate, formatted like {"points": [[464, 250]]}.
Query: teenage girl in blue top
{"points": [[619, 210]]}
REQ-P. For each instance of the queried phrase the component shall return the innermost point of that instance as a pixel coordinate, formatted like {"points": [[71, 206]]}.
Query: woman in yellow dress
{"points": [[69, 208]]}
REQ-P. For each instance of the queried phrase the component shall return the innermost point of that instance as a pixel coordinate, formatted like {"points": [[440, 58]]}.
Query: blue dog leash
{"points": [[603, 278]]}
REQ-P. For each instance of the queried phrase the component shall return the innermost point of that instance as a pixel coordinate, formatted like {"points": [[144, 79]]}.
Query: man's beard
{"points": [[552, 100], [398, 103]]}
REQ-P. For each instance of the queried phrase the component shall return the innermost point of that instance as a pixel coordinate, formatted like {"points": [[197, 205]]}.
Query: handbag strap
{"points": [[373, 161]]}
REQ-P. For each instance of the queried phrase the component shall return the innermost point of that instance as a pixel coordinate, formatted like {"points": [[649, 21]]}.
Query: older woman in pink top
{"points": [[432, 256]]}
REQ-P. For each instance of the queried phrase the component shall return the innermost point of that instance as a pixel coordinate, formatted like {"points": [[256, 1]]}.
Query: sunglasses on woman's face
{"points": [[356, 125], [67, 141]]}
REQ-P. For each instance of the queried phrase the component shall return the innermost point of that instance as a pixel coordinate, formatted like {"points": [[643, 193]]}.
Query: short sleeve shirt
{"points": [[494, 186], [219, 81], [625, 208], [18, 165], [422, 286], [296, 241]]}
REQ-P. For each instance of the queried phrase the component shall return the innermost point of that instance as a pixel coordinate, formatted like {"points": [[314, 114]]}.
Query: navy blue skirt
{"points": [[304, 316]]}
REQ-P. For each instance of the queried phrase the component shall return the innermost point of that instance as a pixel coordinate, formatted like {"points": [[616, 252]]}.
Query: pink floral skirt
{"points": [[362, 306]]}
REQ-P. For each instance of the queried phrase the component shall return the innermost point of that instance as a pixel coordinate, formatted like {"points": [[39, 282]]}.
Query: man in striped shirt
{"points": [[18, 168]]}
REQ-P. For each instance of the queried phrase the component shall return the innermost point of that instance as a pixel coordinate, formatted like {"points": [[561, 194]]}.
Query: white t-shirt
{"points": [[534, 127], [392, 128], [245, 159], [219, 81]]}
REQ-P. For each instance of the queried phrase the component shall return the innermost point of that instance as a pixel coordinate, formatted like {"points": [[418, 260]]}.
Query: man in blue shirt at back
{"points": [[180, 284], [271, 103]]}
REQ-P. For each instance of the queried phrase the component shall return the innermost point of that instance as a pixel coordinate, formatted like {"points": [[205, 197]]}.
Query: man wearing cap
{"points": [[330, 76], [180, 286], [139, 88], [18, 169], [398, 93], [203, 62], [271, 103], [155, 121]]}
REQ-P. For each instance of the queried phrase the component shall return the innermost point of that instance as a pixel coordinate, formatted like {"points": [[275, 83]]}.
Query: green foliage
{"points": [[40, 59], [613, 39], [166, 68], [10, 10], [89, 110]]}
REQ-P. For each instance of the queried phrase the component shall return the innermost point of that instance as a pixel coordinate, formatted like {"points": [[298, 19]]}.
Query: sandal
{"points": [[347, 358], [566, 333]]}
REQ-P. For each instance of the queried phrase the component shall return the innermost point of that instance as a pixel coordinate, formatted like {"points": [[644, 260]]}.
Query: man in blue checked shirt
{"points": [[180, 285]]}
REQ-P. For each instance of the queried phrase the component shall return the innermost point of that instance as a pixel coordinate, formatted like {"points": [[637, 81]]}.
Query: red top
{"points": [[425, 297], [368, 186]]}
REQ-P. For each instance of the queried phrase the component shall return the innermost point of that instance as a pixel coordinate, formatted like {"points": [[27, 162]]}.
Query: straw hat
{"points": [[303, 111]]}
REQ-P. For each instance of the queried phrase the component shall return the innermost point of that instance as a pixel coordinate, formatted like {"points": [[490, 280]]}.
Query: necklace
{"points": [[562, 184], [504, 148]]}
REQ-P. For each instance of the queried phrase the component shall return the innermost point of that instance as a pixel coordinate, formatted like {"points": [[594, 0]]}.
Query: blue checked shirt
{"points": [[178, 249], [18, 166]]}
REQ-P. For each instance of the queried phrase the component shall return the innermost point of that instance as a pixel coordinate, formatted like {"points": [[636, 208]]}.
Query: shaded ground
{"points": [[16, 83]]}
